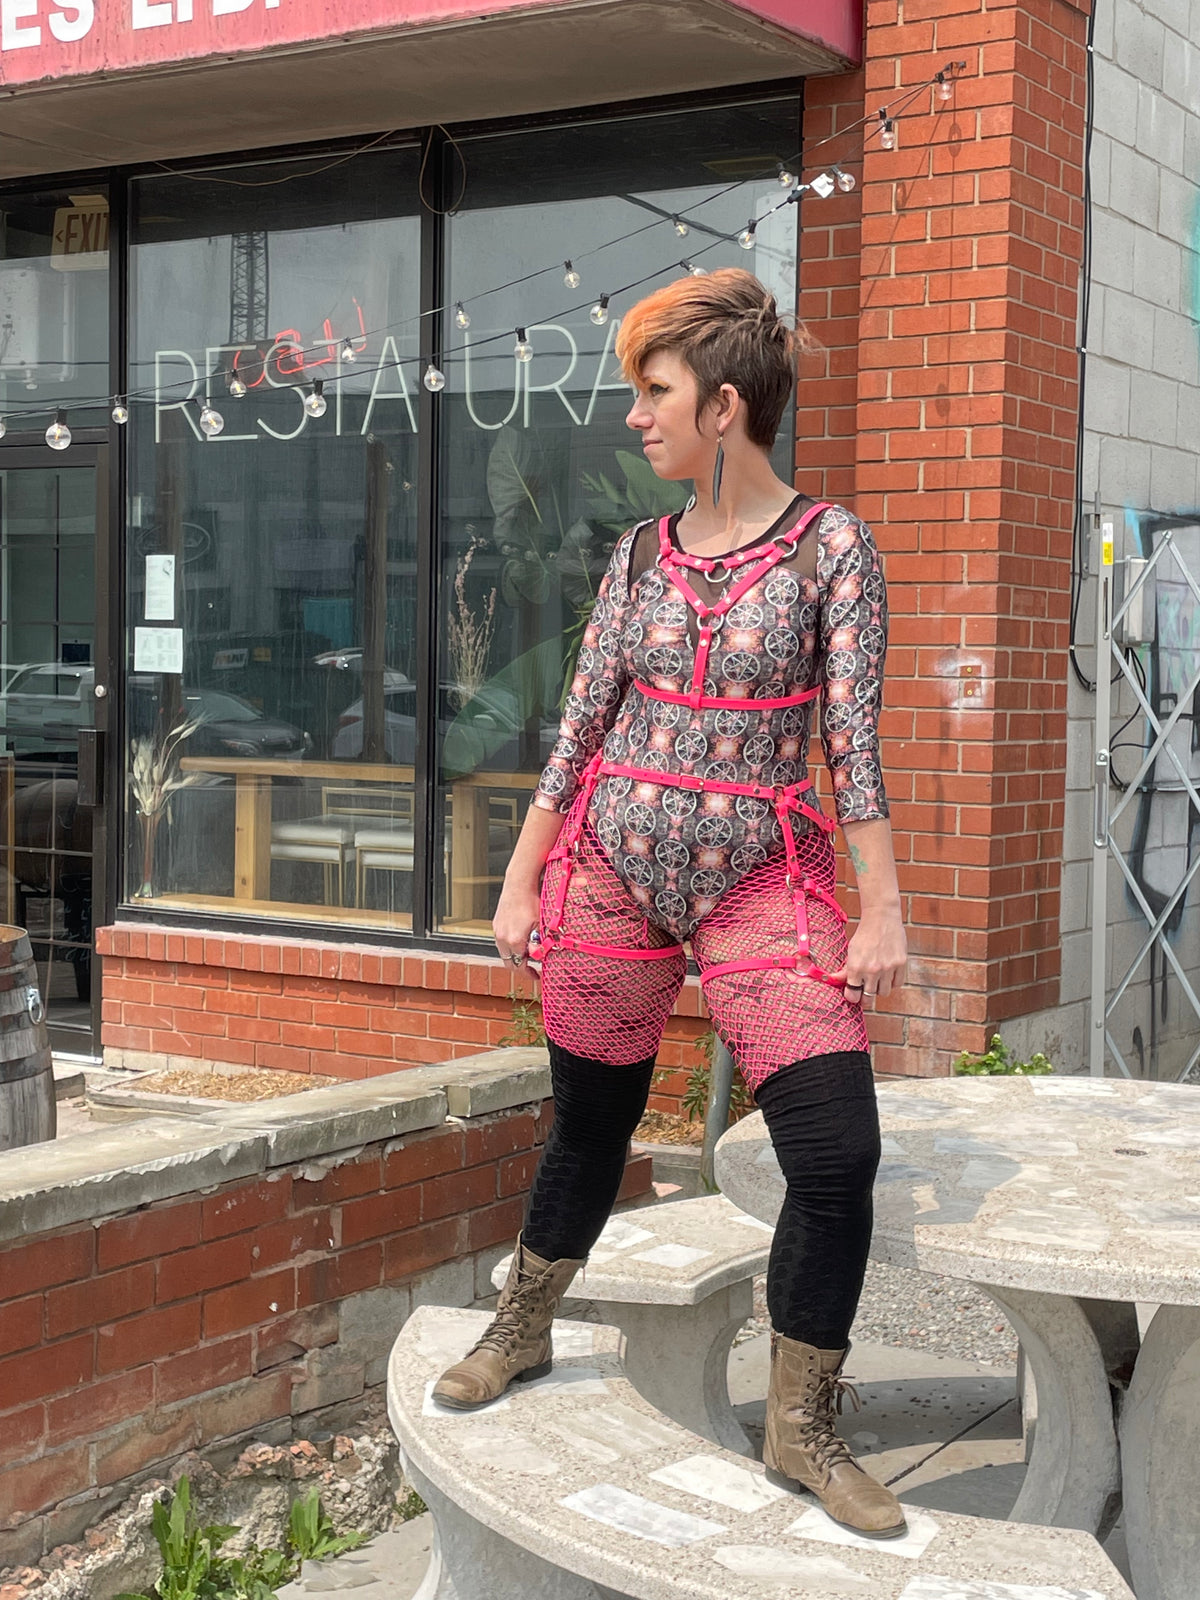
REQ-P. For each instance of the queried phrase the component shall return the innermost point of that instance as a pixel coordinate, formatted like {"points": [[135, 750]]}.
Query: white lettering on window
{"points": [[164, 360], [12, 35], [389, 365], [558, 384], [151, 13], [68, 29]]}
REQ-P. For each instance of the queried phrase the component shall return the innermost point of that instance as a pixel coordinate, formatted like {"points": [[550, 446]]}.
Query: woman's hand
{"points": [[515, 919], [877, 959]]}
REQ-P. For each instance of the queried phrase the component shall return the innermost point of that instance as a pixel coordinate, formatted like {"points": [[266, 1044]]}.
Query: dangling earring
{"points": [[718, 469]]}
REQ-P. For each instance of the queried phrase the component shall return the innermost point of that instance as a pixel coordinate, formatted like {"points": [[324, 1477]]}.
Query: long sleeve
{"points": [[597, 689], [854, 625]]}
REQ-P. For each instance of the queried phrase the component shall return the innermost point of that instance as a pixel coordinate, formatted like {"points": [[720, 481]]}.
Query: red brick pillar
{"points": [[967, 395]]}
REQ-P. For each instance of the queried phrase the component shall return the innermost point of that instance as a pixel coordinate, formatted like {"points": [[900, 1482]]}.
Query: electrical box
{"points": [[1136, 627]]}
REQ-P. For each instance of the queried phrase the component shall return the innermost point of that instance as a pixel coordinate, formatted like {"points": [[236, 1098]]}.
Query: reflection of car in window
{"points": [[44, 705], [485, 732], [229, 725]]}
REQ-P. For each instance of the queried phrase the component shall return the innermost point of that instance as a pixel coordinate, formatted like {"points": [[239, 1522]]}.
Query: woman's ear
{"points": [[729, 407]]}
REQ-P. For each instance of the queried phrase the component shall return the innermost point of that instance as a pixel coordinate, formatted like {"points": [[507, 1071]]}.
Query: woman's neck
{"points": [[752, 498]]}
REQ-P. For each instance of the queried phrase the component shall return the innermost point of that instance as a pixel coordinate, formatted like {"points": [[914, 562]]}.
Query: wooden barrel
{"points": [[27, 1109]]}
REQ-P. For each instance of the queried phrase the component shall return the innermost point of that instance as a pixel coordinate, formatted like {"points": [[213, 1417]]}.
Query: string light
{"points": [[523, 350], [693, 269], [315, 403], [823, 184], [58, 435], [787, 180], [884, 121], [211, 421], [237, 386], [434, 379], [599, 312], [570, 277], [120, 413]]}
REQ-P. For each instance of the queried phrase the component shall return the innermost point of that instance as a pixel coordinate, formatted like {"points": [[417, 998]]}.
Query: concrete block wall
{"points": [[1142, 453]]}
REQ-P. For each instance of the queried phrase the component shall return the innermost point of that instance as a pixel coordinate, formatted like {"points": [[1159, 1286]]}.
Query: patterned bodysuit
{"points": [[705, 671]]}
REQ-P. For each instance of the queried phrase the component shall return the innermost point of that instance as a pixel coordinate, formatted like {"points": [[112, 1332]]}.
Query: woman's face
{"points": [[664, 413]]}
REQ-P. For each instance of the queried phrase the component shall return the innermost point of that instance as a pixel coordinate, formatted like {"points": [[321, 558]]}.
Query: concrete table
{"points": [[1067, 1200]]}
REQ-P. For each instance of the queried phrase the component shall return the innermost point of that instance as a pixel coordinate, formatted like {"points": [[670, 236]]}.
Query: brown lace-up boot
{"points": [[516, 1344], [802, 1448]]}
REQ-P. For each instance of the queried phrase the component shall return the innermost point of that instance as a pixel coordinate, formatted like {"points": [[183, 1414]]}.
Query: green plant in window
{"points": [[999, 1061], [644, 494]]}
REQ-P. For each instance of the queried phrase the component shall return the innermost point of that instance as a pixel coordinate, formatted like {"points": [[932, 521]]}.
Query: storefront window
{"points": [[53, 305], [539, 475], [272, 565], [274, 691]]}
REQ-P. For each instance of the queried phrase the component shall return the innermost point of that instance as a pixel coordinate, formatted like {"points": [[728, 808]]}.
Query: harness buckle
{"points": [[689, 780]]}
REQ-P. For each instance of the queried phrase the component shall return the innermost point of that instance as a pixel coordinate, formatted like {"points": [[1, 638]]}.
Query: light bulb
{"points": [[211, 422], [845, 181], [570, 277], [315, 403], [523, 350], [786, 179], [120, 413], [822, 184], [692, 269], [58, 435], [462, 317], [599, 312], [237, 387], [349, 353], [434, 380], [944, 86], [746, 237], [887, 135], [681, 228]]}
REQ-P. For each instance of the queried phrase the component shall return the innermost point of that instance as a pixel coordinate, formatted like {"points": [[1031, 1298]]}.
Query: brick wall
{"points": [[225, 1314], [944, 411], [345, 1011]]}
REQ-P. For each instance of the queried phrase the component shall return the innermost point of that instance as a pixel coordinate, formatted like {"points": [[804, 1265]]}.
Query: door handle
{"points": [[91, 768]]}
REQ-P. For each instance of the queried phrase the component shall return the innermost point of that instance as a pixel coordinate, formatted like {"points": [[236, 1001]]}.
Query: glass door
{"points": [[51, 874]]}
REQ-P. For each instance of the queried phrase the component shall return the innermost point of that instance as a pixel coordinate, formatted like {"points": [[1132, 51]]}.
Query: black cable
{"points": [[1139, 673], [1077, 533]]}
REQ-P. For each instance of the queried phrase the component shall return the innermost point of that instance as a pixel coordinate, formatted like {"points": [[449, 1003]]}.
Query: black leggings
{"points": [[823, 1122]]}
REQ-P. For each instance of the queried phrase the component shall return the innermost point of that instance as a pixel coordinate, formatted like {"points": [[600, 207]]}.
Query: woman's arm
{"points": [[517, 914], [878, 951]]}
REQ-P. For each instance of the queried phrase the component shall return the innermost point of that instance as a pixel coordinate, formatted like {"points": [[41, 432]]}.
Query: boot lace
{"points": [[523, 1302], [816, 1426]]}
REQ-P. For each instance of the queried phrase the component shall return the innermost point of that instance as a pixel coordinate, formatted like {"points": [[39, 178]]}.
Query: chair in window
{"points": [[328, 839]]}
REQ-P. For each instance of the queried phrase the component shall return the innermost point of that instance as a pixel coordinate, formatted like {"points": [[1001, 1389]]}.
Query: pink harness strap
{"points": [[785, 799]]}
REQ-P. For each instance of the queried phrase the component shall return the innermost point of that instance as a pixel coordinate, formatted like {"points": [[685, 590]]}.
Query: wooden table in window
{"points": [[470, 797]]}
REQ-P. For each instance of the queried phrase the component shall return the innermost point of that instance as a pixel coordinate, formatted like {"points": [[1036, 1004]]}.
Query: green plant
{"points": [[195, 1569], [312, 1535], [1000, 1061], [527, 1026], [699, 1084], [410, 1505]]}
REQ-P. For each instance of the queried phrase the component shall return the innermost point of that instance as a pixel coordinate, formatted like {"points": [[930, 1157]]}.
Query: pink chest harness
{"points": [[785, 800]]}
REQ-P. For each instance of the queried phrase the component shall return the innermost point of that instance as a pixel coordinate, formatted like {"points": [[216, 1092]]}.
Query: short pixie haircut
{"points": [[727, 328]]}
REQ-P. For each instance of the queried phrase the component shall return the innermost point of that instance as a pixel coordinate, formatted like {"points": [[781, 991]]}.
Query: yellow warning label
{"points": [[1106, 543], [1108, 552]]}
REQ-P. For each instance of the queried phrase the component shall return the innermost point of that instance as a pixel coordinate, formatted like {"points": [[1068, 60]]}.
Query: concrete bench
{"points": [[677, 1280], [575, 1488]]}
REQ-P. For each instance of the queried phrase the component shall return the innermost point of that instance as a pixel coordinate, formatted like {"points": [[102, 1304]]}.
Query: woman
{"points": [[676, 807]]}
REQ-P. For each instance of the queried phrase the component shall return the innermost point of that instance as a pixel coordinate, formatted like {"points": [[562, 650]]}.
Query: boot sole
{"points": [[780, 1480], [526, 1375]]}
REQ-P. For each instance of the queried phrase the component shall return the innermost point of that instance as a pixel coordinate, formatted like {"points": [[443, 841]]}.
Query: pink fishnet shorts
{"points": [[614, 1009]]}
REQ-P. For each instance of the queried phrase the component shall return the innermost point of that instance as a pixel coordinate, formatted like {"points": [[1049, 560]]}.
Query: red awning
{"points": [[91, 82]]}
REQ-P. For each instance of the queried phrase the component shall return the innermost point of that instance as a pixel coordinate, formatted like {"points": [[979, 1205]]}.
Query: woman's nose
{"points": [[637, 417]]}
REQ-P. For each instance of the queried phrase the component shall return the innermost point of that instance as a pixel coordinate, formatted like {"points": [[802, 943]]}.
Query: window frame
{"points": [[437, 145]]}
